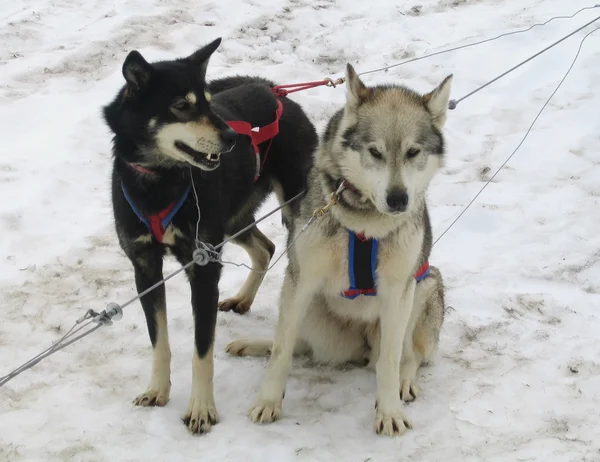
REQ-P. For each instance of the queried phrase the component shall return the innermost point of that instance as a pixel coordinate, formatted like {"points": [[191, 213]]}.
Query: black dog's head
{"points": [[162, 116]]}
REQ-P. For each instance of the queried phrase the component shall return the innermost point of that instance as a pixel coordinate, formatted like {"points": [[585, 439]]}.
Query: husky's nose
{"points": [[228, 136], [397, 200]]}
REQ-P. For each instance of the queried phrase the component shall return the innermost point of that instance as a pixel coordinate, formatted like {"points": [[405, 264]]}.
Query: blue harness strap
{"points": [[157, 223], [362, 266]]}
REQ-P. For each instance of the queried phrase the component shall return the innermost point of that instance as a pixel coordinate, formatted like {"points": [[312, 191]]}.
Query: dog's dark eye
{"points": [[181, 105], [375, 153], [413, 152]]}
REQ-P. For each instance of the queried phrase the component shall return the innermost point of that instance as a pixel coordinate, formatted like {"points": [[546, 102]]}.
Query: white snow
{"points": [[518, 373]]}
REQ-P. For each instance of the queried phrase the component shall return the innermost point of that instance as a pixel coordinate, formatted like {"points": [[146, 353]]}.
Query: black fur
{"points": [[228, 196]]}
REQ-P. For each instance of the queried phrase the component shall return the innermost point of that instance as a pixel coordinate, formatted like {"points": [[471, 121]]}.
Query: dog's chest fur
{"points": [[324, 258]]}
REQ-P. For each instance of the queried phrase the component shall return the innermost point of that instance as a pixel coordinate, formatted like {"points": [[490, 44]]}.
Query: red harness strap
{"points": [[423, 272], [155, 221], [259, 135]]}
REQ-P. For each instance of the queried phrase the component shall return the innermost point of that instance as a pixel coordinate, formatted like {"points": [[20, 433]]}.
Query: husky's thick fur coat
{"points": [[384, 147], [169, 130]]}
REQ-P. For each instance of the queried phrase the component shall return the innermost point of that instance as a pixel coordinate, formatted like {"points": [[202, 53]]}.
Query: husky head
{"points": [[163, 116], [387, 144]]}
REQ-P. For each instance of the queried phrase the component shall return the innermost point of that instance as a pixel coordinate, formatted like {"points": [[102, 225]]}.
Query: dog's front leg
{"points": [[295, 298], [201, 414], [396, 306], [148, 271]]}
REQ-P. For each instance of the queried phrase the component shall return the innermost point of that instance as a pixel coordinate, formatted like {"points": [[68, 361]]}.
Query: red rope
{"points": [[284, 90]]}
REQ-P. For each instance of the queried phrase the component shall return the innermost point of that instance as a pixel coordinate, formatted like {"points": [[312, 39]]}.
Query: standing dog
{"points": [[172, 188], [358, 286]]}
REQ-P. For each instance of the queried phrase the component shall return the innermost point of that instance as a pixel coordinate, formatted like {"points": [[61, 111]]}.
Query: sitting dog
{"points": [[358, 286]]}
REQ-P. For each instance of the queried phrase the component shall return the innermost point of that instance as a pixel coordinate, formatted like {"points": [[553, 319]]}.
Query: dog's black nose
{"points": [[397, 200], [228, 136]]}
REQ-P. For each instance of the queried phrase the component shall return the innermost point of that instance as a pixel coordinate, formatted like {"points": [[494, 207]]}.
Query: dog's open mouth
{"points": [[208, 161]]}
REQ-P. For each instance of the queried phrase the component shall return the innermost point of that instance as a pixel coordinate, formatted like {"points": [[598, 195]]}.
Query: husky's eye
{"points": [[375, 152], [412, 152], [181, 105]]}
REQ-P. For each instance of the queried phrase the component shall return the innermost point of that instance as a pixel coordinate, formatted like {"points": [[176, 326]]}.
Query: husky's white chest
{"points": [[331, 264]]}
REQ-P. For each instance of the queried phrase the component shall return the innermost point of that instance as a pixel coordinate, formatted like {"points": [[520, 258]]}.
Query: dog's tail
{"points": [[250, 347]]}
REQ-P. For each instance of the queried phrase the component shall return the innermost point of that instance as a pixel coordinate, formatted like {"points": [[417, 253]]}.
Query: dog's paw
{"points": [[237, 348], [391, 424], [265, 412], [152, 397], [249, 347], [408, 390], [200, 416], [237, 304], [408, 381]]}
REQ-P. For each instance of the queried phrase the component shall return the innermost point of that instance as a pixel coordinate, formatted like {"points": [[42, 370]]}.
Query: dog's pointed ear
{"points": [[357, 91], [437, 102], [201, 57], [137, 71]]}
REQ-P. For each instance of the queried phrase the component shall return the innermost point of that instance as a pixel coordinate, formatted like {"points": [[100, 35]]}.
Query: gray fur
{"points": [[387, 139]]}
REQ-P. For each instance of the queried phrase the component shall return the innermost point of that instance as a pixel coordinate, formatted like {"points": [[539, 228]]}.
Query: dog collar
{"points": [[141, 169], [157, 223], [362, 266]]}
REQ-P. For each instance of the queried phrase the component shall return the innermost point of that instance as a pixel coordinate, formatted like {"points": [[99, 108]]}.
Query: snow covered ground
{"points": [[518, 373]]}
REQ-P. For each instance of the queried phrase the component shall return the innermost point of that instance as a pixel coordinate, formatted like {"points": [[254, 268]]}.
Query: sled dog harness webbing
{"points": [[362, 264], [157, 222], [259, 135]]}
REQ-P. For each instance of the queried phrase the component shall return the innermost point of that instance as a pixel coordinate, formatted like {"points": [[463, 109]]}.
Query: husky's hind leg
{"points": [[260, 249]]}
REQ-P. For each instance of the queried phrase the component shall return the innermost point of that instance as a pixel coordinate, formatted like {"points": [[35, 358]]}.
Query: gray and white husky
{"points": [[375, 160]]}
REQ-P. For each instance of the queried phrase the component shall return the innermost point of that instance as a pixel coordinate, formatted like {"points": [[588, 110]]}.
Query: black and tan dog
{"points": [[182, 175]]}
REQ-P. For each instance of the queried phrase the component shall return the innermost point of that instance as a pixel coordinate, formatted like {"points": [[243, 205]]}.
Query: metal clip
{"points": [[204, 254], [335, 196], [318, 213], [112, 312], [89, 314], [334, 83]]}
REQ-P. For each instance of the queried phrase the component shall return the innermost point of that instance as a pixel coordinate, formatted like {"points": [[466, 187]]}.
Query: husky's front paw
{"points": [[152, 397], [200, 416], [240, 305], [265, 411], [391, 424]]}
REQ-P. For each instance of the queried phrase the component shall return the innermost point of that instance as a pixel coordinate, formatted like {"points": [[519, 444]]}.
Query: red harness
{"points": [[259, 135]]}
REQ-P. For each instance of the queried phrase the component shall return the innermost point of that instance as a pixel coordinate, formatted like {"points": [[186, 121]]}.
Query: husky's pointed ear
{"points": [[357, 91], [137, 71], [201, 57], [437, 102]]}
